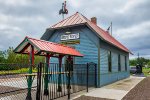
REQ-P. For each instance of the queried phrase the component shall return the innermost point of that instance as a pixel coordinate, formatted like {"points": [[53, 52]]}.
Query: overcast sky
{"points": [[130, 18]]}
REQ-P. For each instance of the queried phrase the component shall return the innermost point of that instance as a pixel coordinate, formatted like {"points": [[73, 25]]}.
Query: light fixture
{"points": [[68, 31]]}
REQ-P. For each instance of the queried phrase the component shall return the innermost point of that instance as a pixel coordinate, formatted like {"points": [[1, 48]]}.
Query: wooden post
{"points": [[69, 87], [59, 77], [46, 92], [29, 79]]}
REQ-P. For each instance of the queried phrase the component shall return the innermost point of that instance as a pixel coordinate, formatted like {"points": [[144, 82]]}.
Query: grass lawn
{"points": [[146, 71], [19, 71]]}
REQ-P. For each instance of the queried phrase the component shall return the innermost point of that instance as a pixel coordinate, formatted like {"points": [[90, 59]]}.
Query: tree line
{"points": [[141, 60], [9, 57]]}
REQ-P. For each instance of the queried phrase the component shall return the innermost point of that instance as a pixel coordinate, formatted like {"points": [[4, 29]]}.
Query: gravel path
{"points": [[140, 92], [4, 89]]}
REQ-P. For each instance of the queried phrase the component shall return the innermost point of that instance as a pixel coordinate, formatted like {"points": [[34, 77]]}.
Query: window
{"points": [[125, 63], [119, 64], [109, 61]]}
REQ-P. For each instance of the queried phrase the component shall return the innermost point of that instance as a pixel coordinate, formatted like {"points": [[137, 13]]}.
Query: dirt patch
{"points": [[90, 98], [140, 91], [129, 80], [119, 84]]}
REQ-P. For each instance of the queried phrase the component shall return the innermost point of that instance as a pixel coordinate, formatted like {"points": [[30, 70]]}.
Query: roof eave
{"points": [[15, 50]]}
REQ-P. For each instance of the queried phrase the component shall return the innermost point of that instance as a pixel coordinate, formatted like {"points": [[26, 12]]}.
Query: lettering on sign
{"points": [[71, 42], [70, 36]]}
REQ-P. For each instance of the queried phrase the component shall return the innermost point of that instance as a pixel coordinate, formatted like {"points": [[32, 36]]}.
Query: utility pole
{"points": [[110, 28]]}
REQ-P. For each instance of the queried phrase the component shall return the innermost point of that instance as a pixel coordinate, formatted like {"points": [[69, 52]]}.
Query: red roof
{"points": [[78, 19], [42, 47]]}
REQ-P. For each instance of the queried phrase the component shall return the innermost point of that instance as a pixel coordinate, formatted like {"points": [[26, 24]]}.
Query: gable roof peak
{"points": [[74, 19]]}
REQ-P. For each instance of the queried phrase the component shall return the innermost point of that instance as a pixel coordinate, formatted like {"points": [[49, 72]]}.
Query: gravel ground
{"points": [[4, 89], [8, 91], [90, 98], [140, 92]]}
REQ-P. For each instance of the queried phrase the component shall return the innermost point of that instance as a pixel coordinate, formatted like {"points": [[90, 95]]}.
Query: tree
{"points": [[11, 56], [142, 61], [148, 64], [2, 58], [133, 62], [20, 58]]}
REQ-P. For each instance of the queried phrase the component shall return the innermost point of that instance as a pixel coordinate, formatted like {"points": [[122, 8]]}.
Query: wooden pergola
{"points": [[48, 49]]}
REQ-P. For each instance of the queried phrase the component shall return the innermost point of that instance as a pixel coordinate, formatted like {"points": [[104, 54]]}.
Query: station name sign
{"points": [[70, 36]]}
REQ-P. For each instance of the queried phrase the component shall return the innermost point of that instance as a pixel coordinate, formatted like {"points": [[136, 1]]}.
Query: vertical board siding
{"points": [[122, 62], [103, 61], [114, 62]]}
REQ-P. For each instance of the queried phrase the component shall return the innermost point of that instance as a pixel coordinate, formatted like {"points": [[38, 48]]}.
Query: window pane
{"points": [[119, 65], [125, 63], [109, 61]]}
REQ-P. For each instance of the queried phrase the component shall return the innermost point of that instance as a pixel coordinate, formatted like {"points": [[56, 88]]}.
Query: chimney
{"points": [[94, 20]]}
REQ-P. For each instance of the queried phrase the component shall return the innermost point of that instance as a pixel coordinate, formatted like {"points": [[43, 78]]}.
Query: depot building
{"points": [[96, 44]]}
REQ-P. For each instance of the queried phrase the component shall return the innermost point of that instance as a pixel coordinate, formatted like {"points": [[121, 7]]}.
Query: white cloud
{"points": [[136, 38], [131, 19], [142, 53], [1, 47], [134, 31], [14, 2], [131, 4], [75, 3], [7, 27]]}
